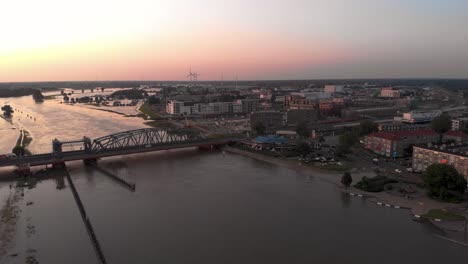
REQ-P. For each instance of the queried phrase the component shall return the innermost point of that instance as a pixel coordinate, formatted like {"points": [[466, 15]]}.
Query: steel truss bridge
{"points": [[122, 143]]}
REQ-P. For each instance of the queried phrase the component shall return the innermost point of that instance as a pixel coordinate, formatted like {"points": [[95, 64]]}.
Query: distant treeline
{"points": [[446, 83], [130, 94], [18, 92]]}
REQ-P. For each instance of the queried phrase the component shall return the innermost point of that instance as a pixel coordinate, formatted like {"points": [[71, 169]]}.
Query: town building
{"points": [[398, 126], [289, 134], [296, 116], [396, 144], [174, 107], [389, 92], [271, 120], [459, 123], [458, 137], [420, 117], [299, 102], [455, 155], [249, 105], [333, 88]]}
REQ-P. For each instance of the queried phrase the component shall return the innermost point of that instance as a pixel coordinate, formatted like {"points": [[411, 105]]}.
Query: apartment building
{"points": [[190, 108], [460, 123], [389, 92], [457, 156], [395, 144]]}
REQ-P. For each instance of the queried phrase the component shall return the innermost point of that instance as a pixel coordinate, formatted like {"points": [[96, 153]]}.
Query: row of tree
{"points": [[442, 182], [347, 140], [7, 110]]}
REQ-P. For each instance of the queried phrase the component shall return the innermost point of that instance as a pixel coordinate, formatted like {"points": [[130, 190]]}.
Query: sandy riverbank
{"points": [[9, 215], [417, 206]]}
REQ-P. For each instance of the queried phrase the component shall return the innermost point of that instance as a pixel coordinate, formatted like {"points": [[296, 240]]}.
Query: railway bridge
{"points": [[122, 143]]}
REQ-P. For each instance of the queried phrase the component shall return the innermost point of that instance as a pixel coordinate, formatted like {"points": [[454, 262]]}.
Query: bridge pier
{"points": [[90, 162], [58, 165], [24, 169], [209, 147]]}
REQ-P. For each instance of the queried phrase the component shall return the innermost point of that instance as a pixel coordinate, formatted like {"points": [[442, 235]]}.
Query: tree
{"points": [[19, 151], [154, 100], [345, 142], [441, 124], [413, 104], [367, 127], [7, 110], [408, 151], [302, 148], [38, 96], [346, 179], [302, 130], [443, 182], [259, 128]]}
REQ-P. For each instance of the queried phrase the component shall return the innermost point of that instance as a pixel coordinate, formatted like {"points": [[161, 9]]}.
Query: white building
{"points": [[333, 88], [459, 123], [312, 95], [420, 117], [174, 107], [389, 92]]}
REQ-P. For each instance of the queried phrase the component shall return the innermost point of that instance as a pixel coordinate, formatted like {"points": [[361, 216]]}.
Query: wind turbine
{"points": [[193, 75]]}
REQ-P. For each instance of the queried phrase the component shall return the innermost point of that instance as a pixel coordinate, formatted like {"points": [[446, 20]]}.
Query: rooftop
{"points": [[457, 134], [459, 150], [401, 134]]}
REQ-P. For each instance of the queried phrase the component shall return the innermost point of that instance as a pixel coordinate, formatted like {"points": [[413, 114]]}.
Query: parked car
{"points": [[398, 171]]}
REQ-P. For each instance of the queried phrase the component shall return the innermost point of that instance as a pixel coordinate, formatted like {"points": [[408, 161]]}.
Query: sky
{"points": [[68, 40]]}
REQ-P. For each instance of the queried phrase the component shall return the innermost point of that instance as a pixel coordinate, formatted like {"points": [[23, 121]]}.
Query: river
{"points": [[194, 206], [50, 119]]}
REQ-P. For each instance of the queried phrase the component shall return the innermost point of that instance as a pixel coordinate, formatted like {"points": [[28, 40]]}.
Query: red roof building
{"points": [[397, 144]]}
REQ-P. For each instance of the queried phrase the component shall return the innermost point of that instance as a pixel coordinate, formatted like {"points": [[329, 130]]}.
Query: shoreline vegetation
{"points": [[23, 142], [162, 124], [435, 212], [10, 213], [146, 109], [24, 138]]}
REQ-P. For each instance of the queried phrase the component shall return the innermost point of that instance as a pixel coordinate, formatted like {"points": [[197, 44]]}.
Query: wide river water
{"points": [[194, 206]]}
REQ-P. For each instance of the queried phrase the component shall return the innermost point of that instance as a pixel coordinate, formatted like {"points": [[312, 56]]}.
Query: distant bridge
{"points": [[123, 143]]}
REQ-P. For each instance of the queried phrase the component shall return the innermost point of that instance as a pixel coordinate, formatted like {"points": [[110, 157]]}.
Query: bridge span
{"points": [[123, 143]]}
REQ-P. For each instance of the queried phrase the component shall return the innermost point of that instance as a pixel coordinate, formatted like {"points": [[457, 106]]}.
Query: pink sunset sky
{"points": [[56, 40]]}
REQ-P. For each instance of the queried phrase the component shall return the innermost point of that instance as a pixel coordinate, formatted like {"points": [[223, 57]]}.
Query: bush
{"points": [[444, 183], [376, 184]]}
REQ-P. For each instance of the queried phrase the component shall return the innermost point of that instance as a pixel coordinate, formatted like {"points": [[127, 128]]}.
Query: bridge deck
{"points": [[53, 158]]}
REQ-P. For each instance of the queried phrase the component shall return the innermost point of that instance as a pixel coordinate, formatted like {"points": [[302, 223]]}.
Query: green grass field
{"points": [[444, 215], [146, 109]]}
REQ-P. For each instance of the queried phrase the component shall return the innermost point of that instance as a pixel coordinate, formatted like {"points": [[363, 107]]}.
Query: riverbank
{"points": [[24, 140], [418, 207], [9, 215]]}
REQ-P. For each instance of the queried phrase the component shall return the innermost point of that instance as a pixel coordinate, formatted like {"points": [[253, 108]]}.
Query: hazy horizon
{"points": [[144, 40]]}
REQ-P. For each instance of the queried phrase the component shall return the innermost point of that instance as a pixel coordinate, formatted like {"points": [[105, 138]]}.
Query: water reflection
{"points": [[208, 207], [345, 199]]}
